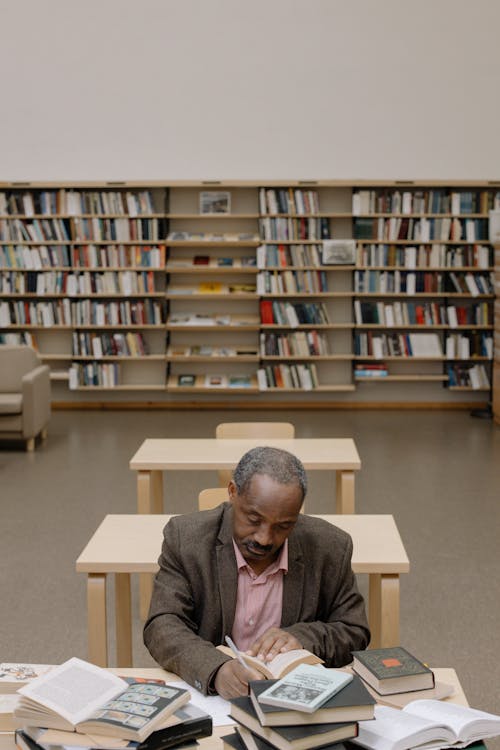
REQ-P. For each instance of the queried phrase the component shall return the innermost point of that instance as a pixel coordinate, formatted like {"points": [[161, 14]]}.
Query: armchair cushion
{"points": [[11, 403]]}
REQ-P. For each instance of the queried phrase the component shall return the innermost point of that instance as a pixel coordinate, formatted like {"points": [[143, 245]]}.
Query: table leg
{"points": [[149, 500], [344, 492], [97, 622], [384, 609], [123, 620], [150, 492]]}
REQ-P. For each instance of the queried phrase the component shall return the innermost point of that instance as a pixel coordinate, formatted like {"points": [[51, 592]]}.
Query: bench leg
{"points": [[97, 621], [149, 500], [344, 492], [123, 620]]}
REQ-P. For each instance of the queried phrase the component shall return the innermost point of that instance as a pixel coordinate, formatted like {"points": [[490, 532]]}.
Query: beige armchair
{"points": [[24, 395]]}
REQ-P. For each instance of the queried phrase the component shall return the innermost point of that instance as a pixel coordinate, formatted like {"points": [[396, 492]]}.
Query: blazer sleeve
{"points": [[171, 630], [339, 624]]}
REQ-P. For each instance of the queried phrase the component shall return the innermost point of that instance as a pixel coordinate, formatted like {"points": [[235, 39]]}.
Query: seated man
{"points": [[258, 570]]}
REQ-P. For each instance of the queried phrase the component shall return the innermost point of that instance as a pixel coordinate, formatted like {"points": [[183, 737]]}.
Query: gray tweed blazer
{"points": [[194, 596]]}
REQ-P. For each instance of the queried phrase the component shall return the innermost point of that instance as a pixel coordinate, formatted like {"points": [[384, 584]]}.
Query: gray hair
{"points": [[280, 465]]}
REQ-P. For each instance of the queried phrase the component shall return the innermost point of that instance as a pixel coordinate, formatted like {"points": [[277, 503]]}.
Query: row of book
{"points": [[81, 229], [64, 312], [296, 344], [298, 376], [127, 344], [418, 201], [207, 350], [283, 256], [86, 282], [281, 282], [370, 370], [420, 230], [43, 230], [293, 314], [281, 228], [24, 257], [425, 256], [456, 346], [427, 313], [468, 376], [219, 237], [106, 375], [288, 201], [75, 202], [412, 282]]}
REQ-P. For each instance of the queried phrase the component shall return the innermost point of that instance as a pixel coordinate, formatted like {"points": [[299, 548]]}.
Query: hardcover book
{"points": [[14, 675], [305, 688], [302, 737], [353, 703], [392, 670], [234, 741], [78, 696]]}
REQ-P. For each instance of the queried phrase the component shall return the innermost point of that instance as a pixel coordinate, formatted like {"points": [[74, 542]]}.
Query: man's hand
{"points": [[273, 642], [232, 679]]}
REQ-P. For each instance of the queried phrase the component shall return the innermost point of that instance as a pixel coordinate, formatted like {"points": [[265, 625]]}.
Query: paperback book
{"points": [[305, 688], [78, 696], [282, 664], [353, 703]]}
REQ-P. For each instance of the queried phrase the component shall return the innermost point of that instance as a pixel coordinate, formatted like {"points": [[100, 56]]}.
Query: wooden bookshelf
{"points": [[125, 288]]}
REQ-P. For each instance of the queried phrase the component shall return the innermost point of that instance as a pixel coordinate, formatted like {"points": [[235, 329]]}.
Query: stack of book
{"points": [[79, 704], [310, 707]]}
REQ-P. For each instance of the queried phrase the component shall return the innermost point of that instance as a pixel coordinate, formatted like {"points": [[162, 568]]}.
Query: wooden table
{"points": [[126, 544], [187, 454]]}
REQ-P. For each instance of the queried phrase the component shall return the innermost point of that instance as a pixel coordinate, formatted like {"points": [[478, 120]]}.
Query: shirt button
{"points": [[250, 622]]}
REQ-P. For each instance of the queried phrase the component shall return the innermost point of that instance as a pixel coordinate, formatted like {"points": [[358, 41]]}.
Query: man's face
{"points": [[263, 518]]}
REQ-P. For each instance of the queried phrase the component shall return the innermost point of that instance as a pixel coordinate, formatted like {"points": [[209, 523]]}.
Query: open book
{"points": [[426, 724], [78, 696], [282, 664]]}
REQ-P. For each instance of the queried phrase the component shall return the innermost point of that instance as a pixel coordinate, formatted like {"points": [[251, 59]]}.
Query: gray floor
{"points": [[437, 472]]}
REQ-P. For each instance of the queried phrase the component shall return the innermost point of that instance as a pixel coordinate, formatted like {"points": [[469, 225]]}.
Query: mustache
{"points": [[260, 547]]}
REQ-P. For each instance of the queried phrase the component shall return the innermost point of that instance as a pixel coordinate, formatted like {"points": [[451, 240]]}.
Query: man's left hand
{"points": [[273, 642]]}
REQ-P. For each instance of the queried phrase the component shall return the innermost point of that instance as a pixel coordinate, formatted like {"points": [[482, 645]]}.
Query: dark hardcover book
{"points": [[201, 260], [302, 737], [352, 703], [392, 670], [235, 741]]}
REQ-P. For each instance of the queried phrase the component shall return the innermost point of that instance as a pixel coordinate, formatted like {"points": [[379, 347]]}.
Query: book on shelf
{"points": [[201, 260], [281, 664], [183, 726], [14, 675], [239, 381], [392, 670], [305, 688], [353, 703], [426, 723], [98, 701], [216, 381], [300, 737]]}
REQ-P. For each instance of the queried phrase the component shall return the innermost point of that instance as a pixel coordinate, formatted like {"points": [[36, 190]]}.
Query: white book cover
{"points": [[450, 347], [452, 316], [305, 688], [471, 284]]}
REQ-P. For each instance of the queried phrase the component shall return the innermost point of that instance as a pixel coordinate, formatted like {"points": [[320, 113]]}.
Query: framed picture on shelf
{"points": [[338, 252], [186, 379], [215, 202], [216, 381]]}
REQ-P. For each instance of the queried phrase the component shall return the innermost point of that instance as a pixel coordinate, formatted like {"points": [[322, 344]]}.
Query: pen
{"points": [[235, 651]]}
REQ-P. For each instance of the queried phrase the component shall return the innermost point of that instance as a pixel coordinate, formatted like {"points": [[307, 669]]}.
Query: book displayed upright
{"points": [[392, 670], [78, 696]]}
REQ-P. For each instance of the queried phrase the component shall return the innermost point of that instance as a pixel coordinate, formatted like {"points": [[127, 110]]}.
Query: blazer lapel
{"points": [[293, 583], [227, 571]]}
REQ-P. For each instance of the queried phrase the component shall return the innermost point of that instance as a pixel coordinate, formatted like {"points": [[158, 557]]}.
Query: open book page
{"points": [[282, 663], [467, 723], [396, 730], [75, 689]]}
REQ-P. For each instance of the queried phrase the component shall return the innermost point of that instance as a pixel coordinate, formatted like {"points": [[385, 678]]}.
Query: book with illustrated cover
{"points": [[78, 696], [14, 675], [282, 663], [392, 670], [353, 703], [426, 723], [305, 688]]}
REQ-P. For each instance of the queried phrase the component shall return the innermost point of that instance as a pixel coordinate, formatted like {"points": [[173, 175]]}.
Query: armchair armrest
{"points": [[36, 400]]}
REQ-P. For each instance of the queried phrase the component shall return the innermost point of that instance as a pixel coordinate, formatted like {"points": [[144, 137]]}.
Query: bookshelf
{"points": [[496, 361], [202, 291]]}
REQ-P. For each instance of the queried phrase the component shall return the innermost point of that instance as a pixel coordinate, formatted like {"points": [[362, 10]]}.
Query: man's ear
{"points": [[232, 491]]}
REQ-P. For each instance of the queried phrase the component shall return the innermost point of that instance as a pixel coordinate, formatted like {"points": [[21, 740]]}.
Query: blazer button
{"points": [[197, 684]]}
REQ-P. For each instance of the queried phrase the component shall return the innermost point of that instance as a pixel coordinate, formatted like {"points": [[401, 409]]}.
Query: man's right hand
{"points": [[232, 679]]}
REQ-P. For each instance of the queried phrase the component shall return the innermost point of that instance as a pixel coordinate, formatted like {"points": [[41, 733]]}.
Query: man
{"points": [[258, 570]]}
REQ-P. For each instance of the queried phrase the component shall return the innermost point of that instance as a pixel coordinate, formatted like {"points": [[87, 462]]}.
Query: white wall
{"points": [[249, 89]]}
